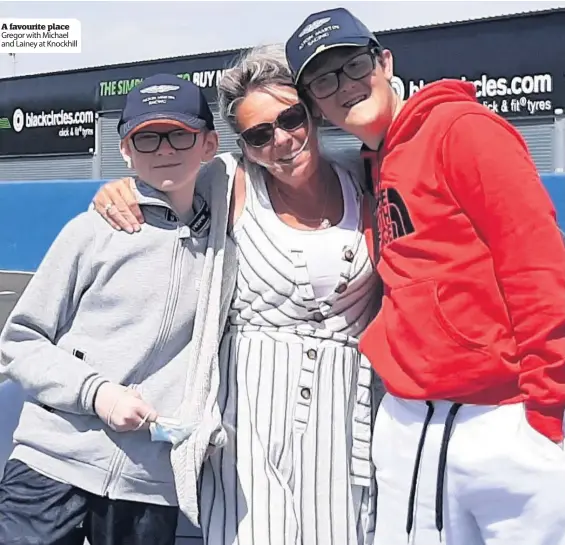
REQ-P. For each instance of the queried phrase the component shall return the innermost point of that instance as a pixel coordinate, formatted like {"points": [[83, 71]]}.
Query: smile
{"points": [[289, 158], [168, 165], [354, 101]]}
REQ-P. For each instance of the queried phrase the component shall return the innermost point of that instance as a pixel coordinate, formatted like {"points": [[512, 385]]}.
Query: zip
{"points": [[116, 465], [118, 459]]}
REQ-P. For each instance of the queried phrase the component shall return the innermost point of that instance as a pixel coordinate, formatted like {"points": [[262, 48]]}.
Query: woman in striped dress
{"points": [[298, 400]]}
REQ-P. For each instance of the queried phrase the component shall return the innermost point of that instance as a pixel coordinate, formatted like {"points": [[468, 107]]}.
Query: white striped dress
{"points": [[297, 398]]}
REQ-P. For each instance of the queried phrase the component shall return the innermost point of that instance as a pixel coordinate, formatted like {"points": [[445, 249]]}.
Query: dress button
{"points": [[341, 288], [348, 255], [311, 354], [318, 316], [305, 393]]}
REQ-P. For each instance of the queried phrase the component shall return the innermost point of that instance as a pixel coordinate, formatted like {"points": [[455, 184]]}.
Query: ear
{"points": [[210, 146], [126, 153], [243, 148], [245, 152], [387, 64]]}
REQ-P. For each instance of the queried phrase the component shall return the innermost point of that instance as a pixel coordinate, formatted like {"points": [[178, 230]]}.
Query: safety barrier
{"points": [[32, 213], [555, 185]]}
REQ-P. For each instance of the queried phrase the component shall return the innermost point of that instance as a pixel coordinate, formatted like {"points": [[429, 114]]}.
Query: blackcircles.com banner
{"points": [[515, 63], [526, 95], [46, 115], [55, 131]]}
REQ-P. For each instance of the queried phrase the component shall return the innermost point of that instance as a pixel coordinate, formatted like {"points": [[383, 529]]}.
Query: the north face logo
{"points": [[393, 218]]}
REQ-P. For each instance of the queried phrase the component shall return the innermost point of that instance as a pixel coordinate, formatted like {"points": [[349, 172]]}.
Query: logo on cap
{"points": [[159, 89], [313, 26]]}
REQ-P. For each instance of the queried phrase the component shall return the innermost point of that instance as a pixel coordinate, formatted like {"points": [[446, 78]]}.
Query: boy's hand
{"points": [[115, 201], [122, 409]]}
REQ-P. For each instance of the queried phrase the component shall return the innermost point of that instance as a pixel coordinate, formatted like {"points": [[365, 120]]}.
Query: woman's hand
{"points": [[116, 203]]}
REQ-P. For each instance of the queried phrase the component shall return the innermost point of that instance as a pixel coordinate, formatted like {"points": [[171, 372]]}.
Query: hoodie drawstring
{"points": [[442, 463], [412, 498]]}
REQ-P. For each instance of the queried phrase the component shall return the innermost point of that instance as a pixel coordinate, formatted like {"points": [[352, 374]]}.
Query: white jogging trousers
{"points": [[504, 483]]}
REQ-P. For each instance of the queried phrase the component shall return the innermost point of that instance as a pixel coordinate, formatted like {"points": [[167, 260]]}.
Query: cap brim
{"points": [[355, 41], [188, 122]]}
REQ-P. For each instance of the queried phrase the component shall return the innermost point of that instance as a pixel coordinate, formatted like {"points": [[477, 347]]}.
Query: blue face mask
{"points": [[169, 430]]}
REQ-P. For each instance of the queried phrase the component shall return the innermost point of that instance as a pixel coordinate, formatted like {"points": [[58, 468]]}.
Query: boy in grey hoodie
{"points": [[113, 338]]}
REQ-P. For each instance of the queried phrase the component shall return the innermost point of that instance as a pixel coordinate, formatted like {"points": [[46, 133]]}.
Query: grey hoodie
{"points": [[146, 310]]}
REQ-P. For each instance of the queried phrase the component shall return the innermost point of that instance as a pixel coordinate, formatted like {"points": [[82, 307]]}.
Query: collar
{"points": [[198, 220]]}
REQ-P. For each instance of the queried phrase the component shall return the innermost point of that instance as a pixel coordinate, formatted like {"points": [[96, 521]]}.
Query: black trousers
{"points": [[36, 510]]}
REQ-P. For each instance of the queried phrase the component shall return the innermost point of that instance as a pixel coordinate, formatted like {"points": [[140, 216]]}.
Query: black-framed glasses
{"points": [[288, 120], [150, 141], [325, 85]]}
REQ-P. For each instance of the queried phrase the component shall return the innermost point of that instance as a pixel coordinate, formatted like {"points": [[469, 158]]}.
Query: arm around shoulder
{"points": [[116, 202]]}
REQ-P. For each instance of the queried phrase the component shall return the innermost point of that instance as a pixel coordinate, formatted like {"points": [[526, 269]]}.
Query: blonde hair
{"points": [[263, 67]]}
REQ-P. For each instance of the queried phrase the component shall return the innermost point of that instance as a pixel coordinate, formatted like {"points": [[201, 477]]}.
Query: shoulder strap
{"points": [[373, 202], [373, 205]]}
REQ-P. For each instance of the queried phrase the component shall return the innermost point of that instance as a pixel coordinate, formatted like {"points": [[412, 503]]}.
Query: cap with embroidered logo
{"points": [[165, 98], [322, 31]]}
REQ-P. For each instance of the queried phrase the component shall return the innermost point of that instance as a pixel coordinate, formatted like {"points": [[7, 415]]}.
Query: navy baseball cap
{"points": [[322, 31], [165, 98]]}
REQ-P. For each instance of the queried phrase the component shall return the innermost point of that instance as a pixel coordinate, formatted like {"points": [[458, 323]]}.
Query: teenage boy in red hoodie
{"points": [[470, 339]]}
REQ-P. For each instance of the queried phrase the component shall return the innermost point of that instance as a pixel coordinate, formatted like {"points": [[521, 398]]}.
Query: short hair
{"points": [[260, 68]]}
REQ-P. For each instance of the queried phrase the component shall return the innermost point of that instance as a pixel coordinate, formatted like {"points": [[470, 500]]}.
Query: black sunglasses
{"points": [[288, 120], [150, 141], [360, 66]]}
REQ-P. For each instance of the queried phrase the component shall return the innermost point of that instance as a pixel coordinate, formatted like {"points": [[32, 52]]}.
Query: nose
{"points": [[281, 137], [345, 82], [165, 148]]}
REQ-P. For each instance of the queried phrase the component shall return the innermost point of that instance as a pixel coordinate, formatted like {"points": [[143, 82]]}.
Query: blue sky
{"points": [[117, 31]]}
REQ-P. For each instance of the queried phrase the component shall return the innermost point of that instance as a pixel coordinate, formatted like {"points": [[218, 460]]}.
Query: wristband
{"points": [[95, 395]]}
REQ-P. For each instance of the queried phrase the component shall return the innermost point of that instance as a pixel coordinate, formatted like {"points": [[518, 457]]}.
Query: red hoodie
{"points": [[472, 261]]}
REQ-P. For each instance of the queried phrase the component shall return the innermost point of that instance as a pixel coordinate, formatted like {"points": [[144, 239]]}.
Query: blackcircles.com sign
{"points": [[71, 123], [513, 81], [518, 95], [27, 132]]}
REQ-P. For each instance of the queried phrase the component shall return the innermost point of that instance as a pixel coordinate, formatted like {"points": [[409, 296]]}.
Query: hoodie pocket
{"points": [[418, 329], [448, 327], [81, 438]]}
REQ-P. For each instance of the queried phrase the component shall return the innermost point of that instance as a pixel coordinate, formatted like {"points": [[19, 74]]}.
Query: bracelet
{"points": [[95, 395], [109, 418]]}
